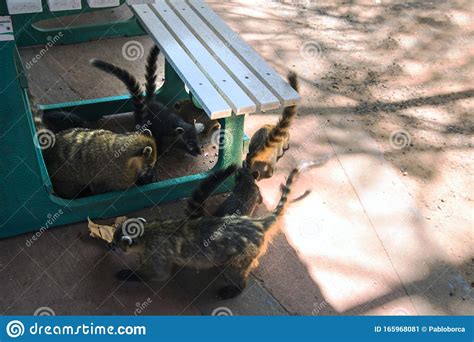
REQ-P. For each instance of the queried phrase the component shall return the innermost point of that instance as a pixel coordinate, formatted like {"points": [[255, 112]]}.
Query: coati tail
{"points": [[130, 82], [150, 74], [285, 191], [205, 189], [281, 128]]}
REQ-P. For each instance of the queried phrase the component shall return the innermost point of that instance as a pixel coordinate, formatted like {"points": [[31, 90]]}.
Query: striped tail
{"points": [[281, 128], [285, 191], [130, 82], [194, 207], [150, 73], [36, 112]]}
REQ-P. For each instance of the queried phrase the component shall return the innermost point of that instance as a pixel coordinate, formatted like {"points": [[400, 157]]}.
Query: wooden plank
{"points": [[239, 101], [287, 95], [64, 5], [228, 60], [24, 6], [213, 103], [103, 3], [139, 2]]}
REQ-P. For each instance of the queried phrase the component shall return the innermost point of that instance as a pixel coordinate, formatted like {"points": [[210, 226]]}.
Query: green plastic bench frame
{"points": [[26, 197]]}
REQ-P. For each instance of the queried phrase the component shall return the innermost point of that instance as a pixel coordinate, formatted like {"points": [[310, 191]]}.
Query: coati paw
{"points": [[229, 291], [126, 275]]}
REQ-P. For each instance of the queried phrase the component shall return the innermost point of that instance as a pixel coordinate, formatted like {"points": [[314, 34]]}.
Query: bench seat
{"points": [[222, 71]]}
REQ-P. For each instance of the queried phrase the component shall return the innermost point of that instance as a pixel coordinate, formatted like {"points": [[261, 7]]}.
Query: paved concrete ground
{"points": [[388, 226]]}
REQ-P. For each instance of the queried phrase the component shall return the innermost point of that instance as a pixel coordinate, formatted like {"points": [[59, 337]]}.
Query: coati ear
{"points": [[179, 130], [177, 106], [147, 151], [147, 132]]}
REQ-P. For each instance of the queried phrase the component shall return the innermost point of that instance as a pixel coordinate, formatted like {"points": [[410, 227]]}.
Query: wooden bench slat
{"points": [[213, 103], [103, 3], [287, 95], [64, 5], [239, 101], [24, 6], [254, 88]]}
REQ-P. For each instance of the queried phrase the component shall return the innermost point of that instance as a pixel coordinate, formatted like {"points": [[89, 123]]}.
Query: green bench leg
{"points": [[25, 189]]}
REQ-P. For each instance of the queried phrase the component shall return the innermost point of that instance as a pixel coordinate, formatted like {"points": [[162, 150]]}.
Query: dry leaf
{"points": [[103, 232]]}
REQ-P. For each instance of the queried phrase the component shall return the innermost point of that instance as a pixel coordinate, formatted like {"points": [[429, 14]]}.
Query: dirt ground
{"points": [[388, 226]]}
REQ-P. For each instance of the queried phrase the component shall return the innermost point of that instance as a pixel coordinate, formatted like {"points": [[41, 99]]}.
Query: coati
{"points": [[194, 205], [233, 243], [194, 115], [244, 197], [270, 142], [98, 160], [91, 161], [168, 128]]}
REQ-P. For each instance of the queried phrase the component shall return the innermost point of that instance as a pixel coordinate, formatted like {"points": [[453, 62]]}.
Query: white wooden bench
{"points": [[222, 71]]}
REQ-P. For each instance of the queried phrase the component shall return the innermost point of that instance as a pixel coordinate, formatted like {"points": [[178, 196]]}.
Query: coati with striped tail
{"points": [[91, 161], [270, 142], [194, 205], [232, 243], [168, 128], [244, 197]]}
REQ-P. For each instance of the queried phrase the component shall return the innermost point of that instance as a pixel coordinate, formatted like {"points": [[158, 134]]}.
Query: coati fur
{"points": [[98, 160], [167, 127], [270, 142], [194, 205], [91, 161], [244, 197], [194, 115], [233, 243]]}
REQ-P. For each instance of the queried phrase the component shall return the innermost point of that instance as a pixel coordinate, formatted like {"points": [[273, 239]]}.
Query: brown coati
{"points": [[244, 197], [194, 205], [84, 161], [270, 142], [168, 128], [98, 160], [232, 243], [196, 116]]}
